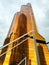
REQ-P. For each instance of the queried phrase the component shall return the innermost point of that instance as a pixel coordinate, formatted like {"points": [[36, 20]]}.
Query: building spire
{"points": [[29, 4]]}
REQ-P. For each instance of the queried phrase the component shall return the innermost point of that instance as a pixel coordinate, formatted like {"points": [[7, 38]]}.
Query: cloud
{"points": [[46, 24], [9, 7], [7, 11], [41, 12]]}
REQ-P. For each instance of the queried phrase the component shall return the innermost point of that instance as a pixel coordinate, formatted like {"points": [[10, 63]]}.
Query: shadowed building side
{"points": [[22, 50]]}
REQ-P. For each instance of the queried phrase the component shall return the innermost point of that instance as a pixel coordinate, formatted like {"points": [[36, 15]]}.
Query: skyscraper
{"points": [[24, 45]]}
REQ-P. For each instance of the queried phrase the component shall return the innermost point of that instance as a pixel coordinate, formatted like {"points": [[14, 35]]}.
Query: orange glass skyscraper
{"points": [[24, 45]]}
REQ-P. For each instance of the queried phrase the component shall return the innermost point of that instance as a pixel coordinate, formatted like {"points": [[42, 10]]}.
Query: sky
{"points": [[9, 7]]}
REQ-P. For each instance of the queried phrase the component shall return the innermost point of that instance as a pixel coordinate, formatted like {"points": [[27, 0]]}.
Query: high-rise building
{"points": [[24, 45]]}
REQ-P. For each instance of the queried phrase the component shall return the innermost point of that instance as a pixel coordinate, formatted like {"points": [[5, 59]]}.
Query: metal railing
{"points": [[24, 59], [14, 47], [13, 42]]}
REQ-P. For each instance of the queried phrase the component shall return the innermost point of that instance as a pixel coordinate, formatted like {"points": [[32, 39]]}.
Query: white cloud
{"points": [[41, 12], [9, 7]]}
